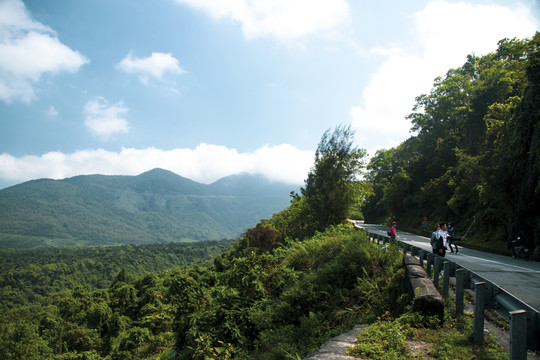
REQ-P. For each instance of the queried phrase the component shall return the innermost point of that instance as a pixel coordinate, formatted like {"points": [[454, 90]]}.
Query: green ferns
{"points": [[289, 301], [253, 304]]}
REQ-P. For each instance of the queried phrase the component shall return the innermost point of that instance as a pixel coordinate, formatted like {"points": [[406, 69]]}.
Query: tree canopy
{"points": [[331, 186], [475, 152]]}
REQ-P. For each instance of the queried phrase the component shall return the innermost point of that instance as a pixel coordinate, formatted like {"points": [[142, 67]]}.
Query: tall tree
{"points": [[330, 188]]}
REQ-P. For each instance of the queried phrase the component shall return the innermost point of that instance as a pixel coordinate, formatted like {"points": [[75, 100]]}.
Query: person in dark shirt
{"points": [[452, 238]]}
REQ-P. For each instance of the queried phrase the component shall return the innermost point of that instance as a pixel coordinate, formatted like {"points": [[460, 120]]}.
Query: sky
{"points": [[211, 88]]}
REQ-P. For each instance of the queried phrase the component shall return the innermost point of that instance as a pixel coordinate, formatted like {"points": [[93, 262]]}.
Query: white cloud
{"points": [[206, 163], [447, 33], [51, 111], [283, 19], [155, 66], [29, 49], [105, 119]]}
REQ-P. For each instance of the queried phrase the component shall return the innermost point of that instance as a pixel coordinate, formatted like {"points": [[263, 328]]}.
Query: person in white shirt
{"points": [[434, 239], [439, 240]]}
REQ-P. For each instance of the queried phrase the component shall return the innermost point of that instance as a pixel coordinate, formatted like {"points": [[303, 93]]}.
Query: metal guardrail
{"points": [[524, 320]]}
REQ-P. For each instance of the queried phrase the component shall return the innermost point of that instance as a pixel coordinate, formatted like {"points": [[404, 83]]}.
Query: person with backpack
{"points": [[433, 238], [438, 240]]}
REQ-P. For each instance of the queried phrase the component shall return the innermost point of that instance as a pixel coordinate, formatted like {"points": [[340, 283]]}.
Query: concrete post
{"points": [[460, 285], [429, 263], [479, 307], [422, 255], [446, 278], [518, 335], [436, 271]]}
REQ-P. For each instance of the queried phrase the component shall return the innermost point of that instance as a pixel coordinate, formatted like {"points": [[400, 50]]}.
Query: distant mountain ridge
{"points": [[155, 206]]}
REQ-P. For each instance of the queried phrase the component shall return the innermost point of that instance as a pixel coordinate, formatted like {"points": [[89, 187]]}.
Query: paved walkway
{"points": [[334, 349]]}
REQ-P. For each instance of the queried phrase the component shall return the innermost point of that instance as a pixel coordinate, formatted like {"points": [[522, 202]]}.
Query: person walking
{"points": [[433, 238], [392, 232], [438, 240], [452, 238]]}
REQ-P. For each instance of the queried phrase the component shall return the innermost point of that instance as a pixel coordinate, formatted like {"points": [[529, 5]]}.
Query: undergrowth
{"points": [[415, 336]]}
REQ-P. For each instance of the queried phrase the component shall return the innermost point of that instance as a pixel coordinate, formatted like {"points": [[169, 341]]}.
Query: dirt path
{"points": [[334, 349]]}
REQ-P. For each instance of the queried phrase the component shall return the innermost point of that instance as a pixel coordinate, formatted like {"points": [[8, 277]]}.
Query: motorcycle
{"points": [[519, 249]]}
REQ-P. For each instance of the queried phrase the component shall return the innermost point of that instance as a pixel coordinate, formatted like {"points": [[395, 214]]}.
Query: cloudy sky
{"points": [[210, 88]]}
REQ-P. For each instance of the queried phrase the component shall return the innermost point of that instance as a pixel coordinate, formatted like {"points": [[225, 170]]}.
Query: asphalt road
{"points": [[519, 277]]}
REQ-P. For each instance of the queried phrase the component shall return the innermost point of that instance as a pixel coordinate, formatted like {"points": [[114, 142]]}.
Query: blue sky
{"points": [[209, 88]]}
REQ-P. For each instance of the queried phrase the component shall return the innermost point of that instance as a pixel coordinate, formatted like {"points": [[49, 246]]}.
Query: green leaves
{"points": [[330, 190], [474, 151]]}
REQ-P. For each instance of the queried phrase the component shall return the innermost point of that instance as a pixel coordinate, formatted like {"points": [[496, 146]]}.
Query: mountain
{"points": [[153, 207]]}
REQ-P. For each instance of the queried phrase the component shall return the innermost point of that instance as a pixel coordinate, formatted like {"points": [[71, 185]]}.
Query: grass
{"points": [[415, 336]]}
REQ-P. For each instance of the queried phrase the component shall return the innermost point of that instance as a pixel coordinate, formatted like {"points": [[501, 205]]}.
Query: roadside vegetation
{"points": [[415, 336], [474, 155]]}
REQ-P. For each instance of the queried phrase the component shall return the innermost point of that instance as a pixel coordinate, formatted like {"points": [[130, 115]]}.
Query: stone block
{"points": [[416, 272], [427, 299], [410, 260]]}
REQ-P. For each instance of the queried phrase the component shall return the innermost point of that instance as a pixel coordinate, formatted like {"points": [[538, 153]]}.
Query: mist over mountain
{"points": [[153, 207]]}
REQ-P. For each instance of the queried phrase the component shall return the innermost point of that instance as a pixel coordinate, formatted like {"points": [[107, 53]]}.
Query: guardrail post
{"points": [[518, 335], [452, 269], [446, 278], [479, 307], [436, 271], [429, 263], [460, 285], [422, 256]]}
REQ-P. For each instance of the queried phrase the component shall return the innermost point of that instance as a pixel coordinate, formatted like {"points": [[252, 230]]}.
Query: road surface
{"points": [[518, 277]]}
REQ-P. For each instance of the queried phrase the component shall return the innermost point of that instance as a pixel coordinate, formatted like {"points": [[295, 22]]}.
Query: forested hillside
{"points": [[156, 206], [253, 304], [476, 155], [33, 276]]}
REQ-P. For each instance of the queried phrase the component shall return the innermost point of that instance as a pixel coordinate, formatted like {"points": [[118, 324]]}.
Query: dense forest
{"points": [[475, 155], [32, 276], [252, 304]]}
